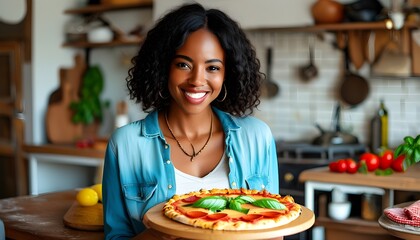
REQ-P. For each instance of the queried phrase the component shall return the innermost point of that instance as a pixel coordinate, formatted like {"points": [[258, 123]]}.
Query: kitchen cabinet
{"points": [[321, 179]]}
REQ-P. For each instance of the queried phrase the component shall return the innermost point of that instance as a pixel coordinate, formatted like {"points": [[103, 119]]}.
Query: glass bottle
{"points": [[383, 113]]}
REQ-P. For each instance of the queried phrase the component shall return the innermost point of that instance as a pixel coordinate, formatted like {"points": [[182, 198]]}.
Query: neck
{"points": [[191, 126]]}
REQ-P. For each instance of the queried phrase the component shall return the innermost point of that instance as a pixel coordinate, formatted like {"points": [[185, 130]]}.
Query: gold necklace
{"points": [[194, 154]]}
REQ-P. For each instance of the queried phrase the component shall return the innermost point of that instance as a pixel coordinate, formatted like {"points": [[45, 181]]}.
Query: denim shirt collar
{"points": [[151, 127]]}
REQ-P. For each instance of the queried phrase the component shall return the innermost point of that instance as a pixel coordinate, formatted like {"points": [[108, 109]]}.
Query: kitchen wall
{"points": [[291, 114], [299, 105]]}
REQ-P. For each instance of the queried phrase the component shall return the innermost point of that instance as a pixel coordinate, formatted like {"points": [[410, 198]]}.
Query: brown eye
{"points": [[213, 68], [183, 65]]}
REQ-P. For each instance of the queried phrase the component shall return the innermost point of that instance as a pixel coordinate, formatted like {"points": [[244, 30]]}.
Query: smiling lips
{"points": [[195, 97]]}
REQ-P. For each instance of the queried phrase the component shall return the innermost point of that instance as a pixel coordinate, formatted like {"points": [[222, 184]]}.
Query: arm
{"points": [[273, 168], [116, 219]]}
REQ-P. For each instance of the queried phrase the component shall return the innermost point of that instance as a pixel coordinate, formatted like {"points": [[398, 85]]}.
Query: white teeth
{"points": [[196, 95]]}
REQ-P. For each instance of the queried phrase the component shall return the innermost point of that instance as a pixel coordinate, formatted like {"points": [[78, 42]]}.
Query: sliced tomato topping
{"points": [[251, 217], [190, 199], [216, 216], [196, 214], [270, 214]]}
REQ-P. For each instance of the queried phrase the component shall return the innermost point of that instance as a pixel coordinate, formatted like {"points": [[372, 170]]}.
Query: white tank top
{"points": [[218, 178]]}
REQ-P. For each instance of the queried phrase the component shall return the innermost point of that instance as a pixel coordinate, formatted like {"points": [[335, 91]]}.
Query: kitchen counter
{"points": [[407, 181], [63, 163], [41, 217], [321, 179]]}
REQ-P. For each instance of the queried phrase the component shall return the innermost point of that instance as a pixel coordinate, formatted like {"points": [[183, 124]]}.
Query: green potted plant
{"points": [[88, 110], [410, 148]]}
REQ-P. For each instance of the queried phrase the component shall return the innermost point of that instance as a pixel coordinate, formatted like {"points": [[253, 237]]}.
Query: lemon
{"points": [[87, 197], [98, 190]]}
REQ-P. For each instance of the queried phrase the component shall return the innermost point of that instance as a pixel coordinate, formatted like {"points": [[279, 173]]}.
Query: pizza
{"points": [[232, 209]]}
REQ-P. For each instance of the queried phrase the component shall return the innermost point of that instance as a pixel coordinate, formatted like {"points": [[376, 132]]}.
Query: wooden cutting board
{"points": [[59, 126], [85, 218]]}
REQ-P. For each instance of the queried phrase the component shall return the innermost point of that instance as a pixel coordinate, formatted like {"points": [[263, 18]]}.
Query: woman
{"points": [[198, 77]]}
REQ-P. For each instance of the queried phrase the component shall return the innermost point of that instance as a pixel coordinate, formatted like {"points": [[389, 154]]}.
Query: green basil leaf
{"points": [[398, 150], [409, 140], [362, 168], [416, 154], [214, 203], [269, 203], [245, 199], [406, 164], [237, 206], [417, 140]]}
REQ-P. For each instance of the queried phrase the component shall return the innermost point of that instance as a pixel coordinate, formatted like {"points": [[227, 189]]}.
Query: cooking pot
{"points": [[336, 136]]}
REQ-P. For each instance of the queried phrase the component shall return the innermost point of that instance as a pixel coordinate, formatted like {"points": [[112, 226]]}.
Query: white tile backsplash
{"points": [[292, 114]]}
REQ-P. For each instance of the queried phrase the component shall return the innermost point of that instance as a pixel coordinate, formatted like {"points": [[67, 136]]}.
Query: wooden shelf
{"points": [[115, 43], [64, 149], [108, 8], [346, 26]]}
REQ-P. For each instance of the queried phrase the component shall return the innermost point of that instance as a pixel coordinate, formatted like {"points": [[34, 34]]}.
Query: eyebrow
{"points": [[190, 59]]}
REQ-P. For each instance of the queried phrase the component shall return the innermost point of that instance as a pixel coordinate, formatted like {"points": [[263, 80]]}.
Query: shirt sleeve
{"points": [[116, 220], [273, 168]]}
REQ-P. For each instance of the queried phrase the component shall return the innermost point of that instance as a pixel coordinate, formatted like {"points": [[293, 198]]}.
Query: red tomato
{"points": [[398, 164], [333, 166], [386, 159], [341, 166], [372, 161], [351, 165]]}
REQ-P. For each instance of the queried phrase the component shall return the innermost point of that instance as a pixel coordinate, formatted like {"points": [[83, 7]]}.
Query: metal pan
{"points": [[354, 88]]}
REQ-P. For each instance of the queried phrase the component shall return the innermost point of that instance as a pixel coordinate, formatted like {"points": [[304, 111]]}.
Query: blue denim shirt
{"points": [[138, 172]]}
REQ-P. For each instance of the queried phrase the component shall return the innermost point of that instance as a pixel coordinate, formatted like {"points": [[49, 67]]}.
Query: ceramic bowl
{"points": [[100, 35], [339, 210]]}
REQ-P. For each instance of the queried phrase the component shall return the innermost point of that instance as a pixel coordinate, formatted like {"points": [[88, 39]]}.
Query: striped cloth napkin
{"points": [[409, 215]]}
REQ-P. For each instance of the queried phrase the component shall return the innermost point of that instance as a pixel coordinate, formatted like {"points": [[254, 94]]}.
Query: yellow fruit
{"points": [[87, 197], [98, 190]]}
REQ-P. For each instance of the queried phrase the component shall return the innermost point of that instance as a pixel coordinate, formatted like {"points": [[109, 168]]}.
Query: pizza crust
{"points": [[176, 209]]}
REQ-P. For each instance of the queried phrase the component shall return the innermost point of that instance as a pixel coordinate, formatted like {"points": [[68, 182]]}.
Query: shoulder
{"points": [[147, 127], [251, 123]]}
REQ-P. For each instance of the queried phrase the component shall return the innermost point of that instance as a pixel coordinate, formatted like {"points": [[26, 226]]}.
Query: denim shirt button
{"points": [[168, 161], [169, 186], [166, 146], [230, 159], [262, 186], [234, 184]]}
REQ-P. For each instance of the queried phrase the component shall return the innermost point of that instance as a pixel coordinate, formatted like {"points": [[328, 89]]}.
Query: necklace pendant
{"points": [[193, 155]]}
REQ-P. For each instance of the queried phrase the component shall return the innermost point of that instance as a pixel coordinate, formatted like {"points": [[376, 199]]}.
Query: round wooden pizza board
{"points": [[156, 220]]}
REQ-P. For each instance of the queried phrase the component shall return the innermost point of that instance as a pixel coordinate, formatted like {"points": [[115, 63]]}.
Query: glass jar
{"points": [[371, 207]]}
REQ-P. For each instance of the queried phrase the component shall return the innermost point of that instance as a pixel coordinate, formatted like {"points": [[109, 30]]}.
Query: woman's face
{"points": [[197, 72]]}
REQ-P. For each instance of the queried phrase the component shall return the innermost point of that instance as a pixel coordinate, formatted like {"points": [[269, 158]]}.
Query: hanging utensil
{"points": [[269, 88], [354, 89], [310, 71]]}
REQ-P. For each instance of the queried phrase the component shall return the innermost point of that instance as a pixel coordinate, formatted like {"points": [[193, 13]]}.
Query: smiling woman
{"points": [[198, 77]]}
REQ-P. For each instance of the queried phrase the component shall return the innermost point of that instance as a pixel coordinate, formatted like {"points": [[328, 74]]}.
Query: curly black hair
{"points": [[147, 80]]}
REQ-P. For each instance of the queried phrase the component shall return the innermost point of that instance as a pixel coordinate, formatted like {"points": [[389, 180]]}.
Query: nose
{"points": [[197, 76]]}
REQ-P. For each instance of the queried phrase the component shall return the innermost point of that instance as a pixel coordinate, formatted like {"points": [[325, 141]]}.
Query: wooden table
{"points": [[41, 217], [155, 219]]}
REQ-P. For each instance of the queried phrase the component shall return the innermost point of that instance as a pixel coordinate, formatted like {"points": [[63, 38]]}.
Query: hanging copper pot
{"points": [[327, 11]]}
